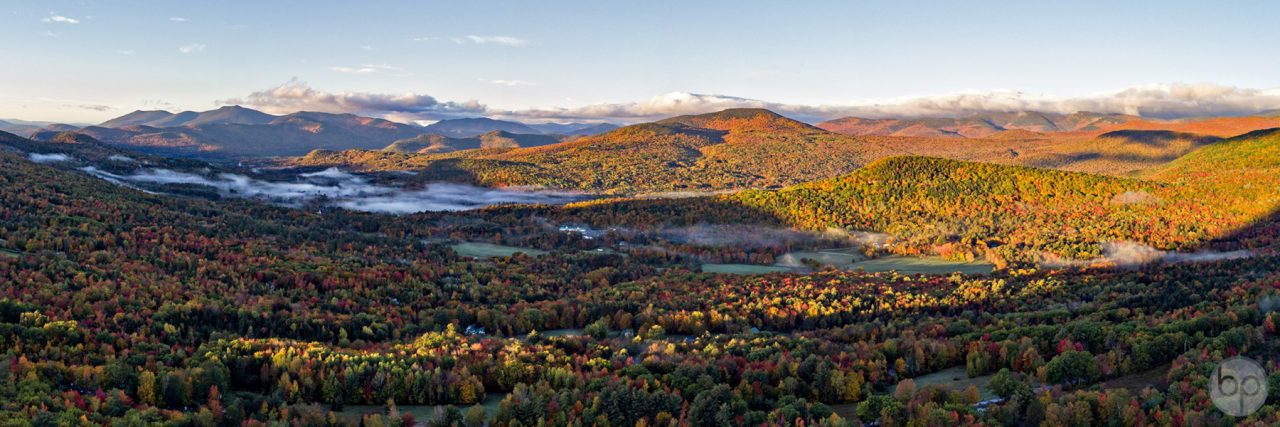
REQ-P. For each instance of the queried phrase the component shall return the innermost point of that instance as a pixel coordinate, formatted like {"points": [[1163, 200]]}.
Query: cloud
{"points": [[59, 19], [498, 40], [1162, 101], [1165, 101], [366, 69], [192, 48], [90, 107], [505, 82], [177, 19], [126, 52], [1127, 254], [296, 95], [48, 158], [337, 188], [671, 104]]}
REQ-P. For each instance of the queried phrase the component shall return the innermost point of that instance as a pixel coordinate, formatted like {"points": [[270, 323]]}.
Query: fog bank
{"points": [[334, 187]]}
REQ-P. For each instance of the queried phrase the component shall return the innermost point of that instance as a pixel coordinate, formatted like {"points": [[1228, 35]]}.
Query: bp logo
{"points": [[1238, 386]]}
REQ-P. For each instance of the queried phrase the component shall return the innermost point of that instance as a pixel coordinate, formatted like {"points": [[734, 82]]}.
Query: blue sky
{"points": [[87, 61]]}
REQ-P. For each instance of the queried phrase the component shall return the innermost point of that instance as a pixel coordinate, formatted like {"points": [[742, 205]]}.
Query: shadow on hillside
{"points": [[447, 170], [1261, 235]]}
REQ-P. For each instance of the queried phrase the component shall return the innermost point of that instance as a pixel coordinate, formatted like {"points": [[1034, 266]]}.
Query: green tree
{"points": [[1074, 367]]}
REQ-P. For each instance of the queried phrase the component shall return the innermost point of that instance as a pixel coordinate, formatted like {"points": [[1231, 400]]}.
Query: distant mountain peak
{"points": [[474, 126], [741, 119]]}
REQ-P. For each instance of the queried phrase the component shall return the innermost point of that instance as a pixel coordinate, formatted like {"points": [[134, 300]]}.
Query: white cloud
{"points": [[126, 51], [1155, 101], [192, 48], [498, 40], [296, 95], [177, 19], [59, 19], [366, 69], [506, 82]]}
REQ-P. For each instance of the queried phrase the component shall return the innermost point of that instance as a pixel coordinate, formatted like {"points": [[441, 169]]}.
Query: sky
{"points": [[627, 61]]}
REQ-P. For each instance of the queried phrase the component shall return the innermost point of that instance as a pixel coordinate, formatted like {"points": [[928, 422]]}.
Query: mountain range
{"points": [[977, 126], [435, 143], [236, 132]]}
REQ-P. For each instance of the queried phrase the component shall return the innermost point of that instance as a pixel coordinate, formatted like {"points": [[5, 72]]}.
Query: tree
{"points": [[1007, 384], [1073, 367], [904, 389], [475, 417], [147, 388]]}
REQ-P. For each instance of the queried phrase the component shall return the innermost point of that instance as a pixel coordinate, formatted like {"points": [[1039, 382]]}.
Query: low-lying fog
{"points": [[337, 188]]}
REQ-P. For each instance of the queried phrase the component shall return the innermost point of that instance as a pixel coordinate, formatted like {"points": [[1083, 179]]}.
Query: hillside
{"points": [[427, 144], [231, 132], [975, 208], [731, 149], [1119, 153], [955, 209], [573, 129], [470, 127], [749, 148]]}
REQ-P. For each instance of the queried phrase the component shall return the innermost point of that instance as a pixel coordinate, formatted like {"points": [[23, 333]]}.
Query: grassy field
{"points": [[1153, 378], [955, 378], [421, 413], [489, 250], [922, 265], [743, 268]]}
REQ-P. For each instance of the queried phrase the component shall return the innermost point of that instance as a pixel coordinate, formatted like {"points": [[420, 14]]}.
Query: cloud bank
{"points": [[1161, 101], [296, 95], [334, 187]]}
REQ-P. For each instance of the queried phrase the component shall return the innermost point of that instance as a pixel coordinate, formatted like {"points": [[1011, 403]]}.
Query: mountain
{"points": [[231, 114], [1075, 124], [237, 132], [469, 127], [573, 128], [434, 143], [741, 148], [139, 117], [593, 129], [977, 126]]}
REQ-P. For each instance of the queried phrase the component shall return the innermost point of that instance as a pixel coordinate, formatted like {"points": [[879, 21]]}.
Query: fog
{"points": [[337, 188], [48, 158], [1132, 254]]}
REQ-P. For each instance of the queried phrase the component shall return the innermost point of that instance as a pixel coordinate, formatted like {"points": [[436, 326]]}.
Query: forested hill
{"points": [[974, 208], [963, 210], [727, 150]]}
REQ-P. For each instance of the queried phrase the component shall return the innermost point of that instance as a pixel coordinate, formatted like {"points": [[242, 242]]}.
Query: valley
{"points": [[859, 287]]}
